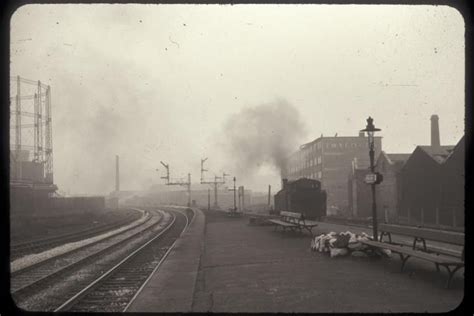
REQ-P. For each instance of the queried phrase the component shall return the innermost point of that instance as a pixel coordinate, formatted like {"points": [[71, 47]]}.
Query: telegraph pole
{"points": [[208, 199], [240, 199], [234, 210], [181, 182], [215, 183]]}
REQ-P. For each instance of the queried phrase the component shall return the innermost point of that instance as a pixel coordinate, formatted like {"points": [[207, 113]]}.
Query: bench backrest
{"points": [[455, 238], [290, 214]]}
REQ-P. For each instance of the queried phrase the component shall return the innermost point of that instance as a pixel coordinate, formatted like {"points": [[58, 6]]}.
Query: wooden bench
{"points": [[420, 235], [231, 212], [452, 261], [293, 221]]}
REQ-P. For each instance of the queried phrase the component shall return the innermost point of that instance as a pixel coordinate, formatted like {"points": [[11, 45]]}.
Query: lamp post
{"points": [[370, 129]]}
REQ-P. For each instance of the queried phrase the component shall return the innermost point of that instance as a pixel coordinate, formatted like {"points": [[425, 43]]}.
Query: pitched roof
{"points": [[397, 157], [458, 145], [439, 154]]}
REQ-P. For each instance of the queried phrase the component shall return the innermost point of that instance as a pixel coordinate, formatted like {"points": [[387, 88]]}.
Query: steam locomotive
{"points": [[303, 196]]}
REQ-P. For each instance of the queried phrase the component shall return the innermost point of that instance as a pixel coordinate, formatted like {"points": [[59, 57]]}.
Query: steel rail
{"points": [[23, 291], [188, 223], [73, 300], [67, 253], [19, 249]]}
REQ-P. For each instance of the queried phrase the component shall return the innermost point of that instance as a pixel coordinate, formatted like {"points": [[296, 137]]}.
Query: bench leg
{"points": [[437, 267], [382, 234], [451, 274], [404, 260], [416, 240]]}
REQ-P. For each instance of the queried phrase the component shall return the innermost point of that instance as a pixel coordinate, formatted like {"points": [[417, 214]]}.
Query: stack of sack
{"points": [[346, 243]]}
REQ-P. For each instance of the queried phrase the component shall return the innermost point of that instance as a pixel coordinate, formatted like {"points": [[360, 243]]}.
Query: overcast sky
{"points": [[161, 82]]}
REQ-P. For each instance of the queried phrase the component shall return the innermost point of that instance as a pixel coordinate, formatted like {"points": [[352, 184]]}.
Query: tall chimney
{"points": [[117, 174], [269, 195], [435, 131]]}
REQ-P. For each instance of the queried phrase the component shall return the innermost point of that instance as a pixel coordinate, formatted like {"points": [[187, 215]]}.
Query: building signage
{"points": [[373, 178], [370, 178]]}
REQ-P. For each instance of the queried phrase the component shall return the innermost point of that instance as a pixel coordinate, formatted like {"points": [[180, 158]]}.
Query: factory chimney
{"points": [[117, 174], [435, 142], [269, 196]]}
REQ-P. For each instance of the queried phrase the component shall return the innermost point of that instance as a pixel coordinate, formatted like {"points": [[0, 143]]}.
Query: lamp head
{"points": [[370, 127]]}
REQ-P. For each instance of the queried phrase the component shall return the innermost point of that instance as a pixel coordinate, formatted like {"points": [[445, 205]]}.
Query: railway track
{"points": [[17, 271], [47, 288], [35, 246], [33, 280], [115, 289]]}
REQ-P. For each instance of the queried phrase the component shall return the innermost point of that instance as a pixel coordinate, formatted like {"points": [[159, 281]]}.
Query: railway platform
{"points": [[171, 287], [230, 266]]}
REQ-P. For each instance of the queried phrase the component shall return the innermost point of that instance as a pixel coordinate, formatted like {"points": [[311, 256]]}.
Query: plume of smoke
{"points": [[262, 135]]}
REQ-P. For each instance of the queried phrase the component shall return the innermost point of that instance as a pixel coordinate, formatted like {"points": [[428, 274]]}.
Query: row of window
{"points": [[348, 145], [320, 145], [307, 154], [313, 162], [313, 175]]}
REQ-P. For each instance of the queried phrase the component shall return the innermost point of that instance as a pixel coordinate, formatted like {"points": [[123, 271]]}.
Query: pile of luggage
{"points": [[346, 243]]}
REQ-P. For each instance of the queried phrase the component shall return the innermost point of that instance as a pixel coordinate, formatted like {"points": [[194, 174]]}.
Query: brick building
{"points": [[359, 194], [432, 184], [328, 159], [30, 189], [420, 182], [389, 190], [451, 203]]}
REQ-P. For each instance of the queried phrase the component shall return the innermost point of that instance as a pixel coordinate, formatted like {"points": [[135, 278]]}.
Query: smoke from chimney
{"points": [[264, 134], [435, 142]]}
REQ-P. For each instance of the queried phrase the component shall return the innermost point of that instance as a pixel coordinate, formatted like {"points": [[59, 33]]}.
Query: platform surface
{"points": [[171, 288], [245, 268]]}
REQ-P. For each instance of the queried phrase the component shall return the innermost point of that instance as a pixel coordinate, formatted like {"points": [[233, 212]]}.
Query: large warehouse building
{"points": [[329, 160]]}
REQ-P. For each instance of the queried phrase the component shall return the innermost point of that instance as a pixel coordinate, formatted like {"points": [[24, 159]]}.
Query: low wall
{"points": [[92, 203], [44, 207]]}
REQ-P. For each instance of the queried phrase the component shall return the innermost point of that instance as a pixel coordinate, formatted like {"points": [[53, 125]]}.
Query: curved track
{"points": [[116, 288], [33, 280], [35, 246], [23, 270]]}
